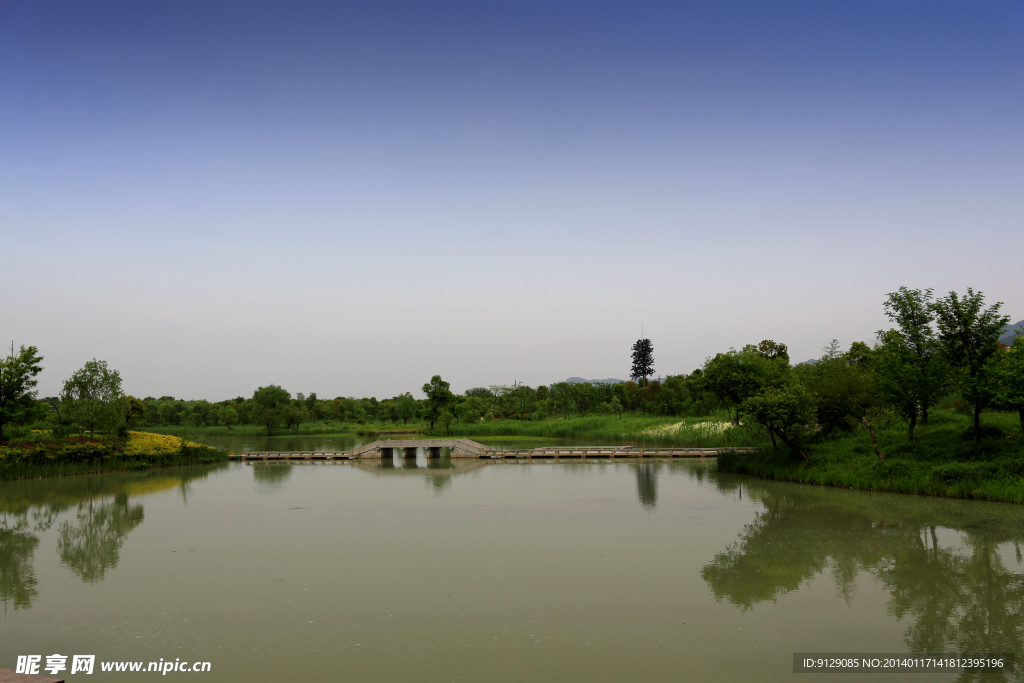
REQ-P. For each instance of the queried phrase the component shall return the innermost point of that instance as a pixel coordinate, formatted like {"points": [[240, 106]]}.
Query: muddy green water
{"points": [[476, 571]]}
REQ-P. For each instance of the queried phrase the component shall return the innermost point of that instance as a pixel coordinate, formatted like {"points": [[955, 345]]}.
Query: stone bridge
{"points": [[460, 448]]}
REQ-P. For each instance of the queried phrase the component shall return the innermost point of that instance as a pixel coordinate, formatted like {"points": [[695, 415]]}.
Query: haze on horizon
{"points": [[349, 198]]}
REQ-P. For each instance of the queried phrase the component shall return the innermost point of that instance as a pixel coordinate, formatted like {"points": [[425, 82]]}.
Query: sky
{"points": [[348, 198]]}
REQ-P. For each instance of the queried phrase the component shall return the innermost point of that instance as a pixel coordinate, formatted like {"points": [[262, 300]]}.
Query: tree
{"points": [[132, 409], [438, 396], [772, 350], [17, 384], [913, 312], [785, 412], [897, 376], [405, 407], [269, 403], [1008, 372], [969, 336], [735, 376], [228, 416], [93, 394], [643, 361]]}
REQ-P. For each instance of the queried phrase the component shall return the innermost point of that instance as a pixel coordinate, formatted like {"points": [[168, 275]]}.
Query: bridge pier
{"points": [[409, 452], [433, 451]]}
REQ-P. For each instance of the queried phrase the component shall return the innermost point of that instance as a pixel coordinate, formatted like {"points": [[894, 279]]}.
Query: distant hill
{"points": [[580, 380], [1010, 331]]}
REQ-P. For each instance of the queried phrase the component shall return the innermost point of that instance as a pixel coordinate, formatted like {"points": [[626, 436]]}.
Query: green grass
{"points": [[943, 461], [630, 429], [305, 429]]}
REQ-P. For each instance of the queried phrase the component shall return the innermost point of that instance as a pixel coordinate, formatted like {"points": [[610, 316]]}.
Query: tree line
{"points": [[938, 349]]}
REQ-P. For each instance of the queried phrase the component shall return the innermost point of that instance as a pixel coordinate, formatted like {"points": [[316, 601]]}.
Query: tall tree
{"points": [[913, 313], [643, 361], [269, 403], [969, 336], [17, 383], [439, 395], [405, 407], [93, 396]]}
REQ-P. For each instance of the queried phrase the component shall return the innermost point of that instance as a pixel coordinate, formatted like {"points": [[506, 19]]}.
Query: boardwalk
{"points": [[466, 449]]}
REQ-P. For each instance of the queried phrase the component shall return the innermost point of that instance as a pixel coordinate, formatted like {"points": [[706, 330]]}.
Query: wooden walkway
{"points": [[551, 453]]}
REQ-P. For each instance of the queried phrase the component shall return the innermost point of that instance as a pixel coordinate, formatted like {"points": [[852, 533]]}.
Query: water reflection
{"points": [[942, 562], [89, 543], [438, 473], [271, 476], [647, 485], [17, 576]]}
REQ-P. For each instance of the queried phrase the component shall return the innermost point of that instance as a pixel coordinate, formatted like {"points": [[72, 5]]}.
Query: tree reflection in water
{"points": [[956, 599], [17, 576], [90, 543], [647, 485], [271, 476]]}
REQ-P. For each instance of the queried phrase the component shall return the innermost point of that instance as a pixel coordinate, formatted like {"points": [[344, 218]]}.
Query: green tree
{"points": [[969, 337], [228, 416], [132, 409], [269, 403], [842, 384], [444, 418], [896, 374], [405, 407], [17, 384], [735, 376], [785, 412], [92, 396], [1008, 373], [439, 394], [643, 361], [772, 350], [912, 310], [311, 403]]}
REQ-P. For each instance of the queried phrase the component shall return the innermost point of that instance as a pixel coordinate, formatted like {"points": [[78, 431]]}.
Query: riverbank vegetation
{"points": [[41, 454], [937, 390]]}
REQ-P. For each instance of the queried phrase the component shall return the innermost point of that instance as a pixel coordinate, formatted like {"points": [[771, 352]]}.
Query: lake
{"points": [[506, 571]]}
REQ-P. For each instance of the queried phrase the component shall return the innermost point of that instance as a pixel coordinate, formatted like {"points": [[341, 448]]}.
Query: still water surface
{"points": [[466, 570]]}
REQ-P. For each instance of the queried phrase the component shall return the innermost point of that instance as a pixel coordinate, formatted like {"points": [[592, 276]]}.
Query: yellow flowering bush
{"points": [[145, 443]]}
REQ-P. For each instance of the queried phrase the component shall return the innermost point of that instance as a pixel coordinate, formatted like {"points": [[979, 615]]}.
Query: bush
{"points": [[963, 472]]}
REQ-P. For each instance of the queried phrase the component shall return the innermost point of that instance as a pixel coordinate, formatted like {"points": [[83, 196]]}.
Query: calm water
{"points": [[497, 571]]}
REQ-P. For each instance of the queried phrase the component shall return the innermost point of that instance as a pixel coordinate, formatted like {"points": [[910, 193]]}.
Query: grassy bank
{"points": [[305, 429], [41, 455], [705, 432], [942, 461]]}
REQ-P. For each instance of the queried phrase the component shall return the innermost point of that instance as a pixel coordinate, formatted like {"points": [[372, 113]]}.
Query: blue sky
{"points": [[348, 198]]}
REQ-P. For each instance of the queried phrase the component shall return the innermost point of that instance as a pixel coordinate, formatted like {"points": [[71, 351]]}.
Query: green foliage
{"points": [[1007, 373], [643, 361], [17, 384], [785, 412], [969, 335], [943, 461], [439, 395], [92, 395], [269, 404], [735, 376]]}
